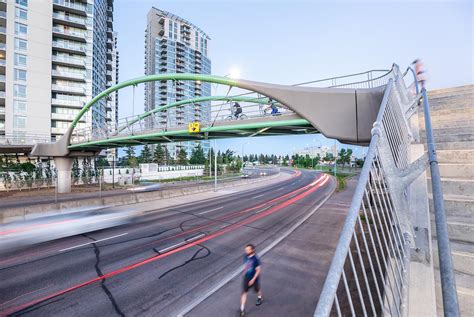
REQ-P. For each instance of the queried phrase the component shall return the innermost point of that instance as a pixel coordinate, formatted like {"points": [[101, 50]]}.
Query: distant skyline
{"points": [[294, 41]]}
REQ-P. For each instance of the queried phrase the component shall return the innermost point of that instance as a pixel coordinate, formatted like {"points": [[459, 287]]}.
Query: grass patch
{"points": [[341, 179]]}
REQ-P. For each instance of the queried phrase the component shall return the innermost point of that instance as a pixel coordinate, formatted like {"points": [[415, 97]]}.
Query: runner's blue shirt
{"points": [[251, 264]]}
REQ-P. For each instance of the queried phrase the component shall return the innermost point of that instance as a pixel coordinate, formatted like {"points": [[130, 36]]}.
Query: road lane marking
{"points": [[205, 212], [195, 237], [268, 207], [81, 245], [258, 196], [238, 271], [172, 247]]}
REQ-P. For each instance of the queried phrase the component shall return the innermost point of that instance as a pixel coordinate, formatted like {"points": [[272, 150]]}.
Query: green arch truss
{"points": [[257, 100], [144, 79]]}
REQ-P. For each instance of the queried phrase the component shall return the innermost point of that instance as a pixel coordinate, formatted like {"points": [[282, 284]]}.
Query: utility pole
{"points": [[215, 165]]}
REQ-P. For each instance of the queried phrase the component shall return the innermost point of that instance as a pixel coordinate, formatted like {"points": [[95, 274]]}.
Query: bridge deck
{"points": [[266, 126]]}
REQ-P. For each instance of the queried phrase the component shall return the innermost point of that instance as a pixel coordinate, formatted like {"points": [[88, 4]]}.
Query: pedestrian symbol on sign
{"points": [[193, 127]]}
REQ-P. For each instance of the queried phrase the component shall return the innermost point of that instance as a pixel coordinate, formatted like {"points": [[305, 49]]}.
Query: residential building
{"points": [[175, 45], [55, 55]]}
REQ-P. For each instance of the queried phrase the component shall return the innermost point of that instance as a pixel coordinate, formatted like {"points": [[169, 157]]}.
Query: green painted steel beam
{"points": [[230, 128], [195, 100], [158, 77]]}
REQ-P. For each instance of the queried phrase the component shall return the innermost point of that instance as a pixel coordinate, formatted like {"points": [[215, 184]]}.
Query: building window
{"points": [[19, 91], [22, 2], [20, 59], [21, 29], [20, 74], [21, 44], [19, 122], [19, 106], [21, 13]]}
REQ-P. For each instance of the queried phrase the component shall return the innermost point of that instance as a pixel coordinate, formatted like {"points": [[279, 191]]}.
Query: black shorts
{"points": [[255, 285]]}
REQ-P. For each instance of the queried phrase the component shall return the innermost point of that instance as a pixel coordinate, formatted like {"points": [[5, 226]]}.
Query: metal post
{"points": [[210, 162], [100, 182], [215, 165], [113, 171], [335, 159], [448, 282]]}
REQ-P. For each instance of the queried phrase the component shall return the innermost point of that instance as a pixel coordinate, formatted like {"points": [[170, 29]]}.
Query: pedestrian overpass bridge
{"points": [[383, 262]]}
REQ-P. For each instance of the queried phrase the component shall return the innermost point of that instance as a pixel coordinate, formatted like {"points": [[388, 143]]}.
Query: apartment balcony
{"points": [[68, 103], [65, 117], [70, 47], [110, 43], [55, 130], [68, 89], [68, 75], [110, 52], [68, 61], [161, 21], [69, 20], [109, 75], [3, 47], [2, 111], [110, 21], [70, 35], [68, 6], [2, 95], [3, 15], [161, 32]]}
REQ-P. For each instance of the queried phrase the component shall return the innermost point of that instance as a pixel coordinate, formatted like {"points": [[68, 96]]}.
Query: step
{"points": [[456, 145], [455, 170], [462, 254], [443, 92], [440, 138], [461, 187], [464, 286], [448, 121], [459, 231], [455, 156], [457, 207]]}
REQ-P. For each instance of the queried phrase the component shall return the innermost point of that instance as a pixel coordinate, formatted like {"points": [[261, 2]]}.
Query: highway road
{"points": [[155, 266]]}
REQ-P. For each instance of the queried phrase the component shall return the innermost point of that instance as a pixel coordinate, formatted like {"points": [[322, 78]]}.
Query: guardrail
{"points": [[369, 273]]}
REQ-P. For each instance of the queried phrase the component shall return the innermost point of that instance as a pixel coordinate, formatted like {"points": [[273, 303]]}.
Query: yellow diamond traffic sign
{"points": [[194, 127]]}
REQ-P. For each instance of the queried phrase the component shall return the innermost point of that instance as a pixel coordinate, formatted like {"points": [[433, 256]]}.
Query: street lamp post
{"points": [[215, 165]]}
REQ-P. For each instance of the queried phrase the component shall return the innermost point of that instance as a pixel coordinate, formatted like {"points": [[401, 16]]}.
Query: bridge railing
{"points": [[223, 111], [370, 269]]}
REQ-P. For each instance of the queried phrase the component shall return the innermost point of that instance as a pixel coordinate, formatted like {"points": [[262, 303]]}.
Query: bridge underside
{"points": [[267, 126]]}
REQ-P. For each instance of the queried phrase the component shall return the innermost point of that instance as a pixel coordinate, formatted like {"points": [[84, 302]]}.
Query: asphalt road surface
{"points": [[158, 265]]}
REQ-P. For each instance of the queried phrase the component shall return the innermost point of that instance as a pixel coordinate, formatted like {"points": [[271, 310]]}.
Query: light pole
{"points": [[335, 159], [215, 165]]}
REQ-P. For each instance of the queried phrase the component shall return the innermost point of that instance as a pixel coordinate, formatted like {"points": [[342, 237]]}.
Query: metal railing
{"points": [[223, 111], [369, 273]]}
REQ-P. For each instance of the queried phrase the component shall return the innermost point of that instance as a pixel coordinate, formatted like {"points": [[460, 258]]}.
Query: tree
{"points": [[159, 155], [329, 157], [145, 155], [197, 155], [39, 179], [86, 175], [76, 171], [359, 162], [182, 157], [131, 160]]}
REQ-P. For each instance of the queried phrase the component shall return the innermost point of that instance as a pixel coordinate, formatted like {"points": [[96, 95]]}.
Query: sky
{"points": [[288, 41]]}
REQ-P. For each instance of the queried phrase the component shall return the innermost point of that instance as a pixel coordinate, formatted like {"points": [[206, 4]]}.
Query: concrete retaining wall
{"points": [[23, 213]]}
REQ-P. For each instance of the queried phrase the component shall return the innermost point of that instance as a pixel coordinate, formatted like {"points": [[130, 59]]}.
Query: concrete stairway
{"points": [[452, 117]]}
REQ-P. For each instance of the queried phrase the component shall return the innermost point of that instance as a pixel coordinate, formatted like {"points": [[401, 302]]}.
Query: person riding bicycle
{"points": [[237, 110], [272, 106]]}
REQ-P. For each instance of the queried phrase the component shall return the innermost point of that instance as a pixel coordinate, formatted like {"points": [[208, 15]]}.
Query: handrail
{"points": [[446, 269]]}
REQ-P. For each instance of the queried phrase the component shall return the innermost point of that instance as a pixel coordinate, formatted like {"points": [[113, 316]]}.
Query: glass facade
{"points": [[174, 45]]}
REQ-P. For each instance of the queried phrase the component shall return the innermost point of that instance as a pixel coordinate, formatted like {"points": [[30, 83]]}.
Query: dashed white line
{"points": [[172, 247], [205, 212], [257, 212], [258, 196], [195, 237], [81, 245]]}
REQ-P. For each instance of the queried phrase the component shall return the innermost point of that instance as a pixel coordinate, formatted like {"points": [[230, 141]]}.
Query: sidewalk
{"points": [[293, 273]]}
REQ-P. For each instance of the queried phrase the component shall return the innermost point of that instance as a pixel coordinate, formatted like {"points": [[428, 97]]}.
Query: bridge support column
{"points": [[63, 167]]}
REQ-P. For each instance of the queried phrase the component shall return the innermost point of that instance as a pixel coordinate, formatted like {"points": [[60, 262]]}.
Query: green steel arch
{"points": [[144, 79], [195, 100]]}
